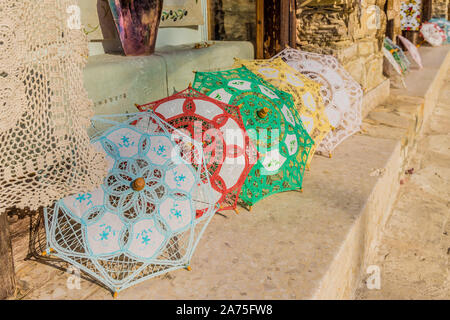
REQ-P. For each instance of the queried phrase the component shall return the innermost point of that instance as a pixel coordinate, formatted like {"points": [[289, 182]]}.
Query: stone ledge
{"points": [[408, 109], [314, 244], [182, 60], [400, 119], [115, 82], [426, 83], [376, 96]]}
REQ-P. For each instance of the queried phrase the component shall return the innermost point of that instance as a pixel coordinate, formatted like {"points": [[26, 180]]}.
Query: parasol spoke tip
{"points": [[48, 252]]}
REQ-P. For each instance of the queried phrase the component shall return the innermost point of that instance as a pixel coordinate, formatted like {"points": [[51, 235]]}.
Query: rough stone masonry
{"points": [[350, 31], [440, 8]]}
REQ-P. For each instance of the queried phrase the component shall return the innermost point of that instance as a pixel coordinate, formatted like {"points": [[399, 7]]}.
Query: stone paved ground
{"points": [[414, 253]]}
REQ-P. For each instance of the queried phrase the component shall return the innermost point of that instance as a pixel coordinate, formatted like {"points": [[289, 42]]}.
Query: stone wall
{"points": [[235, 20], [351, 32], [440, 8], [392, 9]]}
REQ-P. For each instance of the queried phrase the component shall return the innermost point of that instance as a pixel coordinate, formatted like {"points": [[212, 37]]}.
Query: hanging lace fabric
{"points": [[45, 152]]}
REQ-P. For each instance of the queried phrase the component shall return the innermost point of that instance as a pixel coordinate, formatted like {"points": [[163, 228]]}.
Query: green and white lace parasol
{"points": [[272, 123]]}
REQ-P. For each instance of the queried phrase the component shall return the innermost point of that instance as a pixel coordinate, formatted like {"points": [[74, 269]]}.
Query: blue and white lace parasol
{"points": [[142, 221]]}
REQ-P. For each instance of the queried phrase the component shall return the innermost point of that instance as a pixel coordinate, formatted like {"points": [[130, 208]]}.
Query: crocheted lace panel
{"points": [[45, 152], [305, 92]]}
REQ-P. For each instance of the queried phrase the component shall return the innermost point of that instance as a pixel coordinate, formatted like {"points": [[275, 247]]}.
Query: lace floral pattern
{"points": [[273, 125], [444, 25], [398, 54], [304, 91], [141, 222], [12, 87], [410, 14], [45, 152], [219, 127], [433, 34], [341, 94]]}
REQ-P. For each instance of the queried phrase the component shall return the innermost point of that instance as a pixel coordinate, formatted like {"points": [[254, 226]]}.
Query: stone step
{"points": [[413, 254]]}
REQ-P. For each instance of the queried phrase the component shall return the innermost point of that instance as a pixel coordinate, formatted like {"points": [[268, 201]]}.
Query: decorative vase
{"points": [[137, 23]]}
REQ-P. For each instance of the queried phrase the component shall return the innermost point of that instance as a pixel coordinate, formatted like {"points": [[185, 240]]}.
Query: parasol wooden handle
{"points": [[138, 184], [263, 112]]}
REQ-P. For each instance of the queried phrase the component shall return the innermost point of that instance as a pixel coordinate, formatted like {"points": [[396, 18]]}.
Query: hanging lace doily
{"points": [[45, 152], [12, 86], [304, 91], [341, 94]]}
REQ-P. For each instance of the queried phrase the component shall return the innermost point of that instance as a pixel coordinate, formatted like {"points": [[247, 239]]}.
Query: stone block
{"points": [[366, 47], [374, 71], [346, 54], [356, 70], [440, 8], [239, 19], [374, 97]]}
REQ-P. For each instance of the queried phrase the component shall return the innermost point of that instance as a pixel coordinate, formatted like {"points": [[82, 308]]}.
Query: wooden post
{"points": [[293, 25], [211, 24], [259, 29], [7, 276], [285, 15], [426, 10]]}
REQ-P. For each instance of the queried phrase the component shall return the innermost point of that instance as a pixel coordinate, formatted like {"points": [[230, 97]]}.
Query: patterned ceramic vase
{"points": [[137, 22]]}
